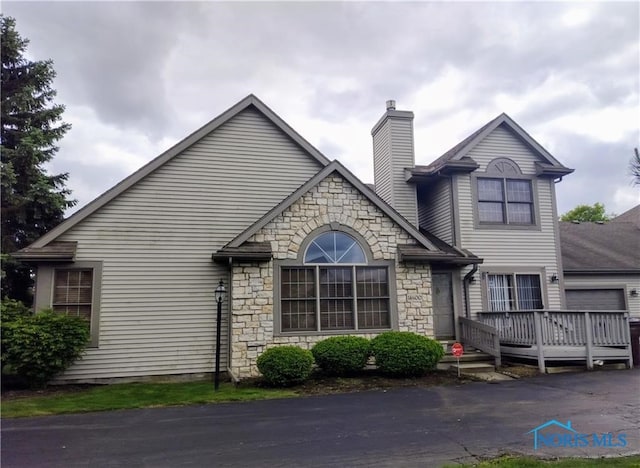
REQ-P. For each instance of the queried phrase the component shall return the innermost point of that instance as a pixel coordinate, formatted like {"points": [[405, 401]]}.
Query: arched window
{"points": [[334, 247], [334, 289]]}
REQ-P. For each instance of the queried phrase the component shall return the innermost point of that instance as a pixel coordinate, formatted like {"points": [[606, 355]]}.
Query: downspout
{"points": [[465, 288]]}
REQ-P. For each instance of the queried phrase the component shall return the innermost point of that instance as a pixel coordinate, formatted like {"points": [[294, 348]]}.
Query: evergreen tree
{"points": [[33, 201]]}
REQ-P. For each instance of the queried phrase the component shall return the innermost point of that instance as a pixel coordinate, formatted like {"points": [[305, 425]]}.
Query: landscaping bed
{"points": [[320, 384]]}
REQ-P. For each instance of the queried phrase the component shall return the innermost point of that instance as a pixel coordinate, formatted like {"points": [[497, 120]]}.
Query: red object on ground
{"points": [[457, 350]]}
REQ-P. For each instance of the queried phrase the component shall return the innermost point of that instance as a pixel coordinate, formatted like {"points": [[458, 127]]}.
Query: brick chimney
{"points": [[392, 154]]}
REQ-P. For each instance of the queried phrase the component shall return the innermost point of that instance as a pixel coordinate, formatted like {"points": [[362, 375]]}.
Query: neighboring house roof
{"points": [[600, 247], [179, 147], [426, 251], [456, 159], [630, 216]]}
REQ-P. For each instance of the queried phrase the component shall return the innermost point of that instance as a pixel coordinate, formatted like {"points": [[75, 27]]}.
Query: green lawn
{"points": [[530, 462], [138, 395]]}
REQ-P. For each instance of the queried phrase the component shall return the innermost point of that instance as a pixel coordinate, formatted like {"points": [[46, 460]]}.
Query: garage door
{"points": [[595, 299]]}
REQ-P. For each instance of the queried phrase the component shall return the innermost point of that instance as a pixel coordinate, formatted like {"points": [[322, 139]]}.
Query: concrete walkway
{"points": [[403, 427]]}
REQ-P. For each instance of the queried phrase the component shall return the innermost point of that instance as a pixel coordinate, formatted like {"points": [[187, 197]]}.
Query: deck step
{"points": [[473, 367], [468, 357]]}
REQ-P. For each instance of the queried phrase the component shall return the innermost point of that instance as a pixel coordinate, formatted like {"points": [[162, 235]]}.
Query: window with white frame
{"points": [[335, 288], [505, 201], [507, 292]]}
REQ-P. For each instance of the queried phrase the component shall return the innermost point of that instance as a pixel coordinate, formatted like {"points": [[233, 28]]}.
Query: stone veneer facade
{"points": [[333, 200]]}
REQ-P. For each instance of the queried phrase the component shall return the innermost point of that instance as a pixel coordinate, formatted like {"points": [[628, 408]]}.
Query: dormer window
{"points": [[504, 195]]}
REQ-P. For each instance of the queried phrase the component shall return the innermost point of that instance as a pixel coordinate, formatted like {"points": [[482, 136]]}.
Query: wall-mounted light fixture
{"points": [[633, 292], [472, 279], [554, 278]]}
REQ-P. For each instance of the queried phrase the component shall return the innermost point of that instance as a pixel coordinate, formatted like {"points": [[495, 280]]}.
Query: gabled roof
{"points": [[631, 216], [429, 250], [457, 159], [106, 197], [600, 248]]}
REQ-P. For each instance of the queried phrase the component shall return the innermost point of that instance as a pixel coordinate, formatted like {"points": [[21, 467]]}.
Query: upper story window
{"points": [[334, 289], [505, 201], [504, 197]]}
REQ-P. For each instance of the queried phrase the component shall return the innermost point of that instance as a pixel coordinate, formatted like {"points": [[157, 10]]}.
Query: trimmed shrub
{"points": [[11, 309], [37, 347], [342, 355], [284, 366], [405, 354]]}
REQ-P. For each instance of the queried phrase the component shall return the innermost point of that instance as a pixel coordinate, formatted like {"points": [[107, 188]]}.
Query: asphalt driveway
{"points": [[403, 427]]}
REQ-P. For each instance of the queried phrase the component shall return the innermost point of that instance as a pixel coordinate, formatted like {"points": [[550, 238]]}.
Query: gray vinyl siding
{"points": [[594, 282], [529, 249], [156, 239], [393, 153], [382, 163], [435, 210]]}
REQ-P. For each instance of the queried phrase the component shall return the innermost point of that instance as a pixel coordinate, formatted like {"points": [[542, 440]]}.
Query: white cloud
{"points": [[138, 76], [577, 16]]}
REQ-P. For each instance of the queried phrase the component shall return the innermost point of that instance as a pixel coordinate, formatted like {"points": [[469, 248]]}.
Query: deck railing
{"points": [[557, 334], [481, 336]]}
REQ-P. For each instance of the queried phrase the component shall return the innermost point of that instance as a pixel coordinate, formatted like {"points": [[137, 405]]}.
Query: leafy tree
{"points": [[587, 213], [634, 167], [33, 201]]}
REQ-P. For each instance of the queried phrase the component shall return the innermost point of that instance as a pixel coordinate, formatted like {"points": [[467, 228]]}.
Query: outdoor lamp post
{"points": [[220, 292]]}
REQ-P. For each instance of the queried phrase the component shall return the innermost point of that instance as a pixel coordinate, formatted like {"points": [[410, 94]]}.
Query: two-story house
{"points": [[492, 194], [304, 248]]}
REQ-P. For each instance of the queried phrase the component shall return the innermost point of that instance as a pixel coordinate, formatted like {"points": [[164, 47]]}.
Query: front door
{"points": [[442, 291]]}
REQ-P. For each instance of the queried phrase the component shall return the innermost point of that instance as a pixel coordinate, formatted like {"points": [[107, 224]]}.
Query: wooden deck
{"points": [[552, 335]]}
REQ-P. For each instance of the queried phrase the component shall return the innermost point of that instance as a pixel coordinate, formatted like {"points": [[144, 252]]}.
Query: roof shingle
{"points": [[595, 247]]}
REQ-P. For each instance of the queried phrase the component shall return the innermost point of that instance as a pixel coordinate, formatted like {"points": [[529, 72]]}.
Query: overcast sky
{"points": [[138, 77]]}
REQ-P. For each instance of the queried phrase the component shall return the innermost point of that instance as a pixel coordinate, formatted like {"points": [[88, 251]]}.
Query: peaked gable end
{"points": [[251, 130], [424, 249], [503, 143], [460, 158]]}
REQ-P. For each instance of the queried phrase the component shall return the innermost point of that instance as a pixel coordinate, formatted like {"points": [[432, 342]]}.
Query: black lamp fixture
{"points": [[633, 292], [220, 293], [554, 278]]}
